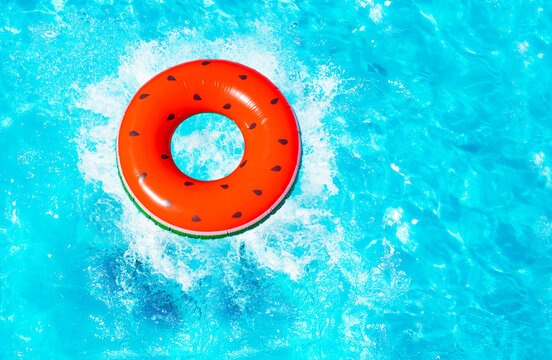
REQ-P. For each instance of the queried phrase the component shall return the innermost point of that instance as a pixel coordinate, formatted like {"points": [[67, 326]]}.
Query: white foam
{"points": [[394, 218], [58, 4], [538, 162], [376, 10], [376, 13]]}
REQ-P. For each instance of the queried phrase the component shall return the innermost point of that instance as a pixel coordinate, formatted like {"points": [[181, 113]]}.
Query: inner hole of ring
{"points": [[207, 146]]}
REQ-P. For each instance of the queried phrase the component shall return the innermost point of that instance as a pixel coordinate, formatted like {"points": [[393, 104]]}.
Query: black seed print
{"points": [[224, 186], [237, 215], [243, 77], [227, 106], [164, 157], [188, 183], [171, 117], [133, 133], [257, 192], [252, 126], [276, 168], [274, 101], [195, 218], [197, 97], [143, 96], [243, 163], [283, 141], [205, 63], [171, 78], [142, 176]]}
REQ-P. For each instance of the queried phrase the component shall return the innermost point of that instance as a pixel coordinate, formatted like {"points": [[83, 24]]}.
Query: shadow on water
{"points": [[132, 288]]}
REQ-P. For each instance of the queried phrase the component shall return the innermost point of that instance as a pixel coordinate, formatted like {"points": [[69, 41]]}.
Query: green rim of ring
{"points": [[211, 236]]}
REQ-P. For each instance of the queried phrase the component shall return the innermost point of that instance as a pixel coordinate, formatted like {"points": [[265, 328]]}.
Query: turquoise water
{"points": [[207, 146], [420, 227]]}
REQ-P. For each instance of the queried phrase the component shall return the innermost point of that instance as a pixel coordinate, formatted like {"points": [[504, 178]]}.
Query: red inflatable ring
{"points": [[236, 202]]}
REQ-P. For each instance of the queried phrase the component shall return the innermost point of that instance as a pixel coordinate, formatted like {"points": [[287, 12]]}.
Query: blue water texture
{"points": [[420, 226]]}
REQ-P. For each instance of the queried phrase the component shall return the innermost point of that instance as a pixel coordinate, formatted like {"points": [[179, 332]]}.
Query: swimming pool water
{"points": [[207, 146], [420, 226]]}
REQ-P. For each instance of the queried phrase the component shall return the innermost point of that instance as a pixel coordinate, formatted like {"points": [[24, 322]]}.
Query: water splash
{"points": [[312, 94]]}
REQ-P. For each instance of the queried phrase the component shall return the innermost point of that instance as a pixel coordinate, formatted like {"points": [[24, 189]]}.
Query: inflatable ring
{"points": [[185, 205]]}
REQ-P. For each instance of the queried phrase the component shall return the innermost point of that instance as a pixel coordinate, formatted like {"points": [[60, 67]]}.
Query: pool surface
{"points": [[420, 226]]}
